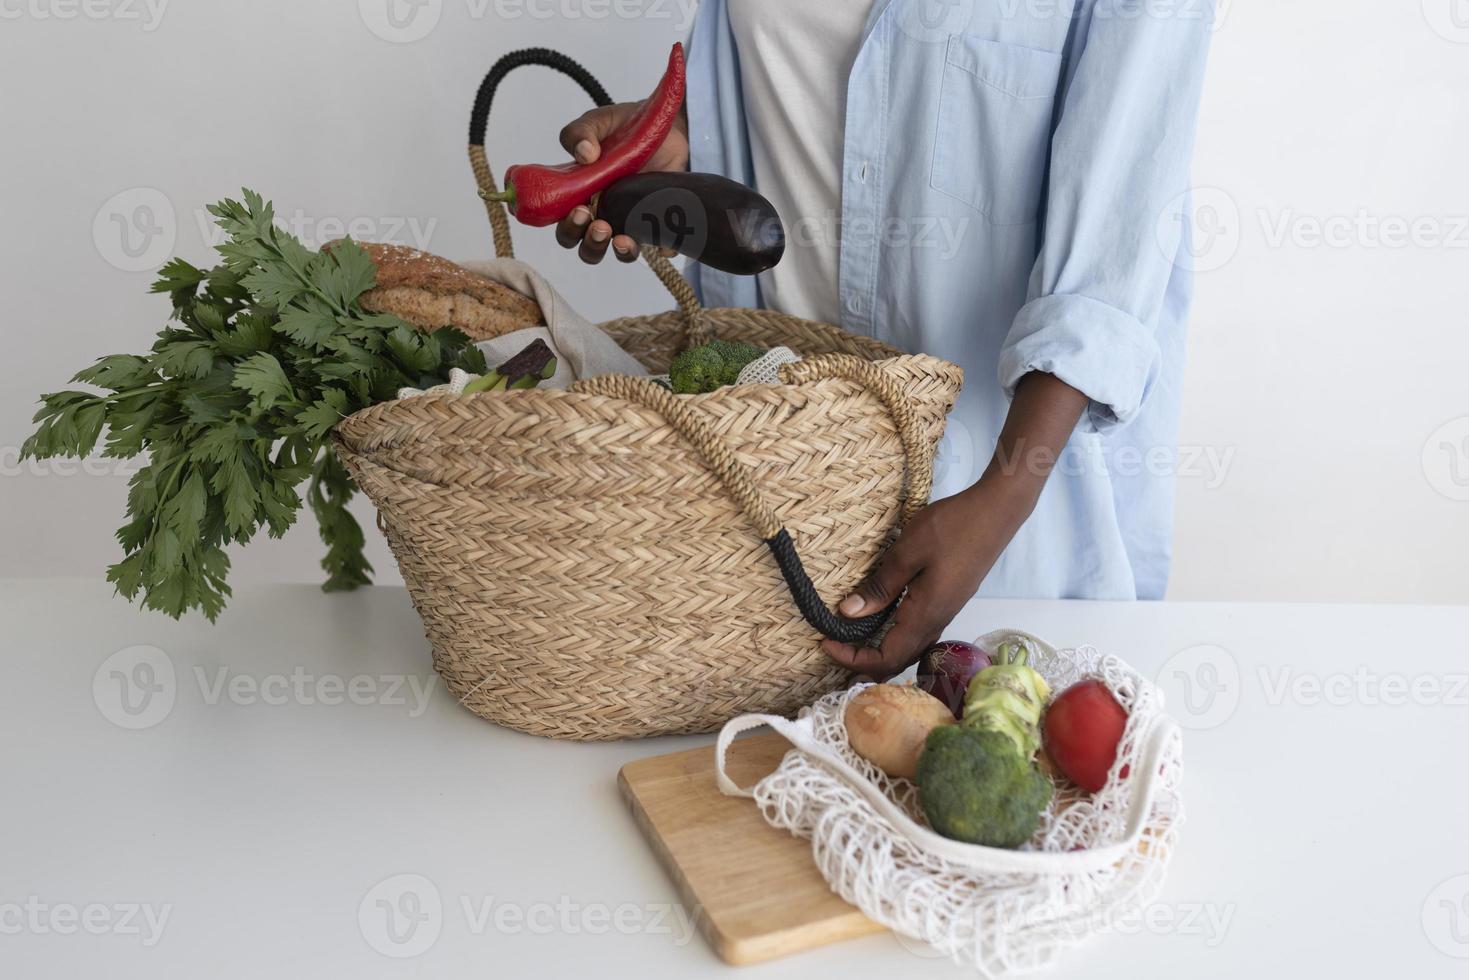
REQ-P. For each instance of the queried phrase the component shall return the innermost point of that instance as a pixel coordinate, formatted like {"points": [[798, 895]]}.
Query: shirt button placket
{"points": [[857, 244]]}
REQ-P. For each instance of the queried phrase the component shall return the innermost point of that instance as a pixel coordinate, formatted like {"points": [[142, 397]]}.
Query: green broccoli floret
{"points": [[695, 371], [975, 786], [711, 366], [734, 353]]}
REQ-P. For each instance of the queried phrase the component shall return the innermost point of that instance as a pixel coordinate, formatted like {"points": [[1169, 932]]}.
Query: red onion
{"points": [[946, 670]]}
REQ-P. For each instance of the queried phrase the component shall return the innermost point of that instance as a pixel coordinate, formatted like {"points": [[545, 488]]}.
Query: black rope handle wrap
{"points": [[809, 601], [479, 119]]}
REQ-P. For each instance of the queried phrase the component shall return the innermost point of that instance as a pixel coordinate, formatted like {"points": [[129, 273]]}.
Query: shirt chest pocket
{"points": [[994, 125]]}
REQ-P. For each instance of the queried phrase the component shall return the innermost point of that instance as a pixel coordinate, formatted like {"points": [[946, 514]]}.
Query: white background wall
{"points": [[1327, 352]]}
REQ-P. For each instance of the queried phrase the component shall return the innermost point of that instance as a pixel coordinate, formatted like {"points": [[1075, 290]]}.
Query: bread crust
{"points": [[430, 292]]}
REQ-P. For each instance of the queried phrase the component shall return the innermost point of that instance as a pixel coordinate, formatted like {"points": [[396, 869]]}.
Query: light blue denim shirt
{"points": [[1014, 198]]}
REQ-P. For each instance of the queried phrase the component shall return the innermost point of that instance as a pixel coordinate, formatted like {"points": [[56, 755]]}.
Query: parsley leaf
{"points": [[262, 376], [234, 407]]}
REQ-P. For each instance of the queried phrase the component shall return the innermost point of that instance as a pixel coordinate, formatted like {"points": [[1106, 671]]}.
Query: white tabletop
{"points": [[264, 808]]}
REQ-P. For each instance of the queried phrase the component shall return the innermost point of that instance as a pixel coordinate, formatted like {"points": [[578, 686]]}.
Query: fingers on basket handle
{"points": [[808, 600], [479, 118], [739, 484]]}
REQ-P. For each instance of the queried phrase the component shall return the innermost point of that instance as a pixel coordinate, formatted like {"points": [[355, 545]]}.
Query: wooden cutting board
{"points": [[753, 889]]}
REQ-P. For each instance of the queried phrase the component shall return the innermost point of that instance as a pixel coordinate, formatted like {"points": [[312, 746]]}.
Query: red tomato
{"points": [[1083, 726]]}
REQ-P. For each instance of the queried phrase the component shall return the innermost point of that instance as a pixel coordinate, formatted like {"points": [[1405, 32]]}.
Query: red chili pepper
{"points": [[540, 194]]}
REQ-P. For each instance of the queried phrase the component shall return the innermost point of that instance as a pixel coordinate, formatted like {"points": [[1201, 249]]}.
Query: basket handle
{"points": [[696, 330], [739, 482]]}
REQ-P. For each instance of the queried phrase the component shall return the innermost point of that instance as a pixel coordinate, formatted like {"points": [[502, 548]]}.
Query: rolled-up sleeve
{"points": [[1114, 215]]}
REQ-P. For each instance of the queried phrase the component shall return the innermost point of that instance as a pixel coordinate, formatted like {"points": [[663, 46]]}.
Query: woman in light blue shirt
{"points": [[1045, 144]]}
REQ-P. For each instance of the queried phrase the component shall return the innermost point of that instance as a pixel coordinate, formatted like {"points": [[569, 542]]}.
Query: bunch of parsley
{"points": [[233, 406]]}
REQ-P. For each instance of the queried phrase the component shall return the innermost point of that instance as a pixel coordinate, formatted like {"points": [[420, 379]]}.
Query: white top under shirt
{"points": [[795, 57]]}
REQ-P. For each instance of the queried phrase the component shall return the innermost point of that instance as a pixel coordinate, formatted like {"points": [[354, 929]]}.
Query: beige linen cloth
{"points": [[582, 349]]}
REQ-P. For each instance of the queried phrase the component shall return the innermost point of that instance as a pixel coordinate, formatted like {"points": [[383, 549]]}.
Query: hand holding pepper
{"points": [[617, 142], [582, 138]]}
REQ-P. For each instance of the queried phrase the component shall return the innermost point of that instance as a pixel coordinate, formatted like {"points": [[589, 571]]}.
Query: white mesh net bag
{"points": [[765, 369], [1097, 859]]}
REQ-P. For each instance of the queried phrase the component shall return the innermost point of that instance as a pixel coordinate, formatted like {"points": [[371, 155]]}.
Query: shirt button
{"points": [[854, 304], [862, 173]]}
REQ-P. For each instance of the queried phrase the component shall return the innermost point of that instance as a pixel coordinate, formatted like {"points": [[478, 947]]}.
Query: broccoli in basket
{"points": [[712, 366]]}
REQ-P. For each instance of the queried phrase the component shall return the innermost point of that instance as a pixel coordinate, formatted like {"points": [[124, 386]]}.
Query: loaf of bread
{"points": [[430, 292]]}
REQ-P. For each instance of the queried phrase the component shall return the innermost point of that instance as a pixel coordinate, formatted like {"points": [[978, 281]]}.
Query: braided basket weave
{"points": [[598, 563]]}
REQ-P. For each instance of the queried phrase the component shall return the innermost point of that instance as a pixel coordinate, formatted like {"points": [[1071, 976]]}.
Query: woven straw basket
{"points": [[615, 561]]}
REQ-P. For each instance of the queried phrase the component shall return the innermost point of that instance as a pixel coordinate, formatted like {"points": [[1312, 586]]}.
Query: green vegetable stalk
{"points": [[525, 370], [1008, 697], [234, 403], [977, 780]]}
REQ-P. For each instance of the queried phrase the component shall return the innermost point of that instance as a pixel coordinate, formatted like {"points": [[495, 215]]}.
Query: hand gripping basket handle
{"points": [[740, 483], [479, 118]]}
